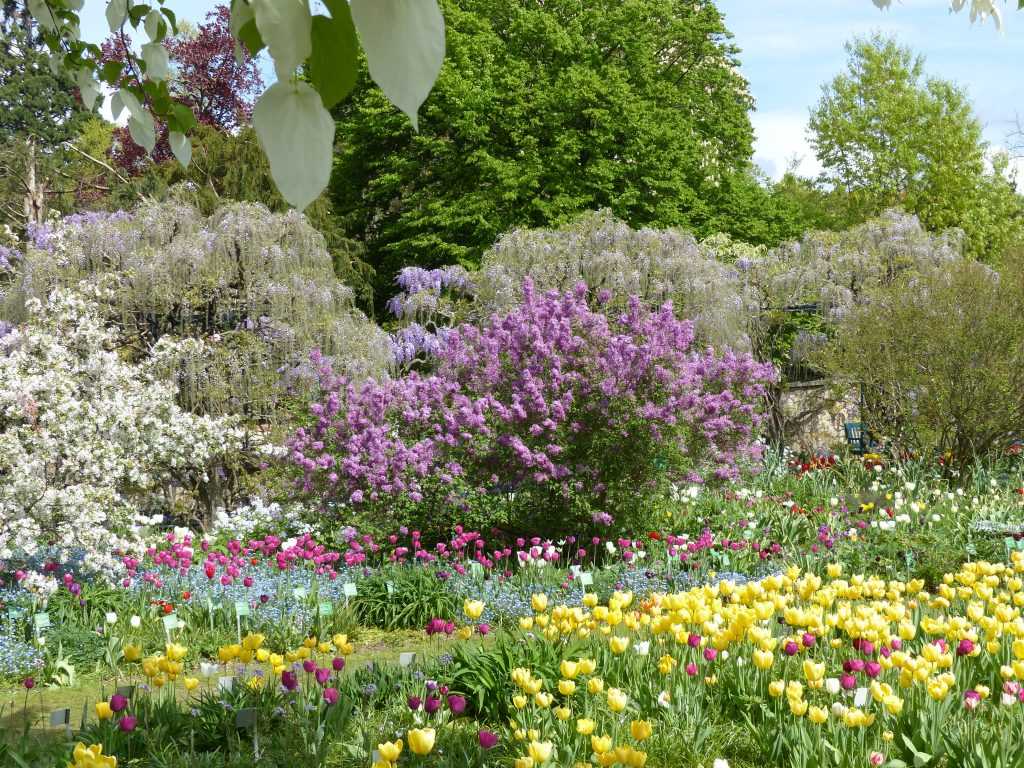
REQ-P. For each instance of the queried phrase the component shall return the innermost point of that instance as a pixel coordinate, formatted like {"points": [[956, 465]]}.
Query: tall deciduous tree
{"points": [[543, 110], [889, 135]]}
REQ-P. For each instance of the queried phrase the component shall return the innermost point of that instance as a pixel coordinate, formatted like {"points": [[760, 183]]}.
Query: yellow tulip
{"points": [[617, 700], [132, 653], [666, 664], [585, 726], [539, 602], [540, 751], [600, 744], [618, 643], [587, 666], [473, 609], [421, 740], [640, 729], [763, 659], [390, 750], [566, 687], [798, 707], [569, 669], [595, 685], [103, 710], [519, 701], [465, 633], [523, 762], [526, 623], [562, 713], [817, 715], [191, 683], [776, 688], [91, 757]]}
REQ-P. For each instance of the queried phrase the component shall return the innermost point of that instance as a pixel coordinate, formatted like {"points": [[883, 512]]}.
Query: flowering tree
{"points": [[90, 447], [555, 399], [208, 78]]}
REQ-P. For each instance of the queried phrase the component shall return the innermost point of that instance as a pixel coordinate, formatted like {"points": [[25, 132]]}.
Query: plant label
{"points": [[60, 717], [349, 589], [406, 659], [586, 579], [389, 587], [326, 609], [246, 718], [299, 593], [226, 683], [128, 691], [241, 608]]}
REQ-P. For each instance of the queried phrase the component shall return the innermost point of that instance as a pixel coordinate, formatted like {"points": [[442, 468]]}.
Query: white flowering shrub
{"points": [[91, 447]]}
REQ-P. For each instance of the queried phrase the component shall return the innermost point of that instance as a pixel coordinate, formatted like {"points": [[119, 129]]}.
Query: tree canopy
{"points": [[889, 135], [542, 111]]}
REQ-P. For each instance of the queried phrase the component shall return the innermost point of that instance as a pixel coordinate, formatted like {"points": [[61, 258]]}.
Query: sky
{"points": [[790, 48]]}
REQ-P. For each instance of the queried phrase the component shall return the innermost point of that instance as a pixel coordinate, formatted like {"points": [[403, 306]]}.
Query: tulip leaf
{"points": [[297, 134]]}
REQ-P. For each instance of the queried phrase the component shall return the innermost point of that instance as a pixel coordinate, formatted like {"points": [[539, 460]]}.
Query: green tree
{"points": [[888, 135], [541, 111], [38, 111]]}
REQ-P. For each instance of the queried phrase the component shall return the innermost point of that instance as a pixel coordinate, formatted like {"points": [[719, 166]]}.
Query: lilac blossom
{"points": [[553, 393]]}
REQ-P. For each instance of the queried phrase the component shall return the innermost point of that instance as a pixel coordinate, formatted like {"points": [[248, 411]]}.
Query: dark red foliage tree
{"points": [[206, 76]]}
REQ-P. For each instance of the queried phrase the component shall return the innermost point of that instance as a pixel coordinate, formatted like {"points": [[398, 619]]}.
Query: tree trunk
{"points": [[35, 189]]}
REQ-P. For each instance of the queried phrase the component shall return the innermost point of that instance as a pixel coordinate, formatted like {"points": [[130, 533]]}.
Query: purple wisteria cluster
{"points": [[421, 289], [553, 394]]}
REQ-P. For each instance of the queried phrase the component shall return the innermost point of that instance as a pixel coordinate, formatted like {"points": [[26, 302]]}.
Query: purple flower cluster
{"points": [[8, 256], [421, 289], [414, 341], [554, 393]]}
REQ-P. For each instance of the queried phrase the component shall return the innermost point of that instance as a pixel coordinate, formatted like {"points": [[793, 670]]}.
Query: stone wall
{"points": [[815, 414]]}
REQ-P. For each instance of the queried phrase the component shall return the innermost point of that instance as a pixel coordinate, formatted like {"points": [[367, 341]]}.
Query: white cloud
{"points": [[781, 140]]}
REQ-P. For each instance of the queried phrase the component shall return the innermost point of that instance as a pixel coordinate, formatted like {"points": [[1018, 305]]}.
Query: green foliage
{"points": [[940, 355], [414, 598], [890, 135], [542, 111], [36, 102]]}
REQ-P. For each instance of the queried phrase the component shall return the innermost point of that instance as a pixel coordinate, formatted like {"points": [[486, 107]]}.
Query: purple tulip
{"points": [[965, 647], [322, 675], [118, 703], [309, 665], [127, 723], [791, 648], [487, 739], [432, 705], [414, 703], [289, 680], [331, 695], [848, 682], [457, 704], [29, 683], [338, 663]]}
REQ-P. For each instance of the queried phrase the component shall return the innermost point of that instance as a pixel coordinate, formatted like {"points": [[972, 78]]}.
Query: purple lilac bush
{"points": [[553, 398]]}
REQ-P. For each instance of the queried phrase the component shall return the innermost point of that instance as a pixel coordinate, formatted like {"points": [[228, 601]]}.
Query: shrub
{"points": [[584, 411], [90, 445], [940, 356]]}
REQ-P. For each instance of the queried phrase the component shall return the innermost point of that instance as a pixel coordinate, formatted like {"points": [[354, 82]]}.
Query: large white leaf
{"points": [[125, 99], [117, 12], [87, 87], [297, 134], [157, 64], [41, 13], [286, 27], [143, 131], [152, 24], [404, 45], [181, 147]]}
